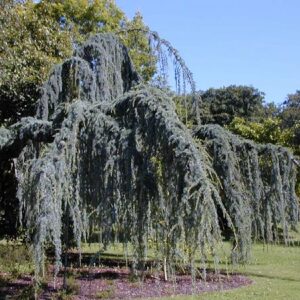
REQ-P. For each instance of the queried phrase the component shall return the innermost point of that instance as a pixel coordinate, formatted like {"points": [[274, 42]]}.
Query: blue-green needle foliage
{"points": [[108, 152], [258, 186]]}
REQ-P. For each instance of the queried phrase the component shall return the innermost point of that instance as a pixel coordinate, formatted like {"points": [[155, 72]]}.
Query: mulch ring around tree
{"points": [[118, 283]]}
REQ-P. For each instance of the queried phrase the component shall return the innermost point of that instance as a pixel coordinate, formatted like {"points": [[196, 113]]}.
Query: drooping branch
{"points": [[182, 74], [104, 159], [14, 139], [100, 71], [258, 183]]}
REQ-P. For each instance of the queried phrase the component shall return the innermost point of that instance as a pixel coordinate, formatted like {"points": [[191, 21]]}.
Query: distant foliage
{"points": [[220, 106], [279, 127], [30, 46], [268, 130], [290, 116], [290, 110], [136, 39]]}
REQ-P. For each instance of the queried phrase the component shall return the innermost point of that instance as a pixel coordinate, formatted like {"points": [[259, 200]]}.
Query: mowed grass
{"points": [[15, 259], [274, 270]]}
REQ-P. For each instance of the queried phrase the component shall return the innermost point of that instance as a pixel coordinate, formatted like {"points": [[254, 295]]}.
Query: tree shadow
{"points": [[271, 277], [10, 289]]}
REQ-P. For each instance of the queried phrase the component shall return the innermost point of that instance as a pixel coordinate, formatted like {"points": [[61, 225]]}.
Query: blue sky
{"points": [[224, 42]]}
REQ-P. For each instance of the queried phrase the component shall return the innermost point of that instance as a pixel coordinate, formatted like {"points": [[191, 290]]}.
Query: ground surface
{"points": [[274, 272], [116, 283]]}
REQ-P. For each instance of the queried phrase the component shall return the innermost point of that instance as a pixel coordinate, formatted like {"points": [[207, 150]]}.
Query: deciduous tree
{"points": [[221, 105], [36, 36]]}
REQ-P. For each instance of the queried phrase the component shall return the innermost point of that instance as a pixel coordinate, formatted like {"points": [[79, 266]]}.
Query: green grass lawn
{"points": [[275, 272], [274, 269]]}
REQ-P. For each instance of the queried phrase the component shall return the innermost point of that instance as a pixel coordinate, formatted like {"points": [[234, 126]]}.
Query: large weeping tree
{"points": [[106, 151]]}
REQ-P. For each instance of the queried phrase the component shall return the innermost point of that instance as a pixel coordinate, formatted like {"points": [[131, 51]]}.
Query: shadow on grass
{"points": [[271, 277], [104, 274], [14, 289], [90, 259]]}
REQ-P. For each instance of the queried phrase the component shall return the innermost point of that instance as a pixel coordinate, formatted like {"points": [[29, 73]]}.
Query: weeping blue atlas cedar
{"points": [[108, 152]]}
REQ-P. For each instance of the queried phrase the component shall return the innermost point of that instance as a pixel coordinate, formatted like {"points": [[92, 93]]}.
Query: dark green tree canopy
{"points": [[106, 150], [220, 106], [290, 115], [290, 110]]}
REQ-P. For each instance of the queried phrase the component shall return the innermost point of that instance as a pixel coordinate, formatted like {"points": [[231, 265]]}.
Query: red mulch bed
{"points": [[116, 283]]}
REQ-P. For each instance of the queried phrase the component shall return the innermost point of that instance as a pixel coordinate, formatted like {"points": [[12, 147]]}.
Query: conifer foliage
{"points": [[107, 151], [258, 186]]}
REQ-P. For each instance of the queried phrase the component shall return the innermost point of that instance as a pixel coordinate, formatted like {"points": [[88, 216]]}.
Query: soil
{"points": [[118, 283]]}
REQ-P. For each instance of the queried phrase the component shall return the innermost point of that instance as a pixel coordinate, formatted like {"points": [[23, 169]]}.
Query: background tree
{"points": [[30, 46], [270, 110], [290, 116], [273, 124], [221, 105], [290, 110], [139, 47], [279, 126], [268, 130], [36, 36]]}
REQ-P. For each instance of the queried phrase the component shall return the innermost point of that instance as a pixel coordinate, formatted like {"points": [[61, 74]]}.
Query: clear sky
{"points": [[224, 42]]}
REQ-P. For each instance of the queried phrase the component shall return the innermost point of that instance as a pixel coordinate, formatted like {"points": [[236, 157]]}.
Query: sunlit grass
{"points": [[15, 259], [274, 269]]}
